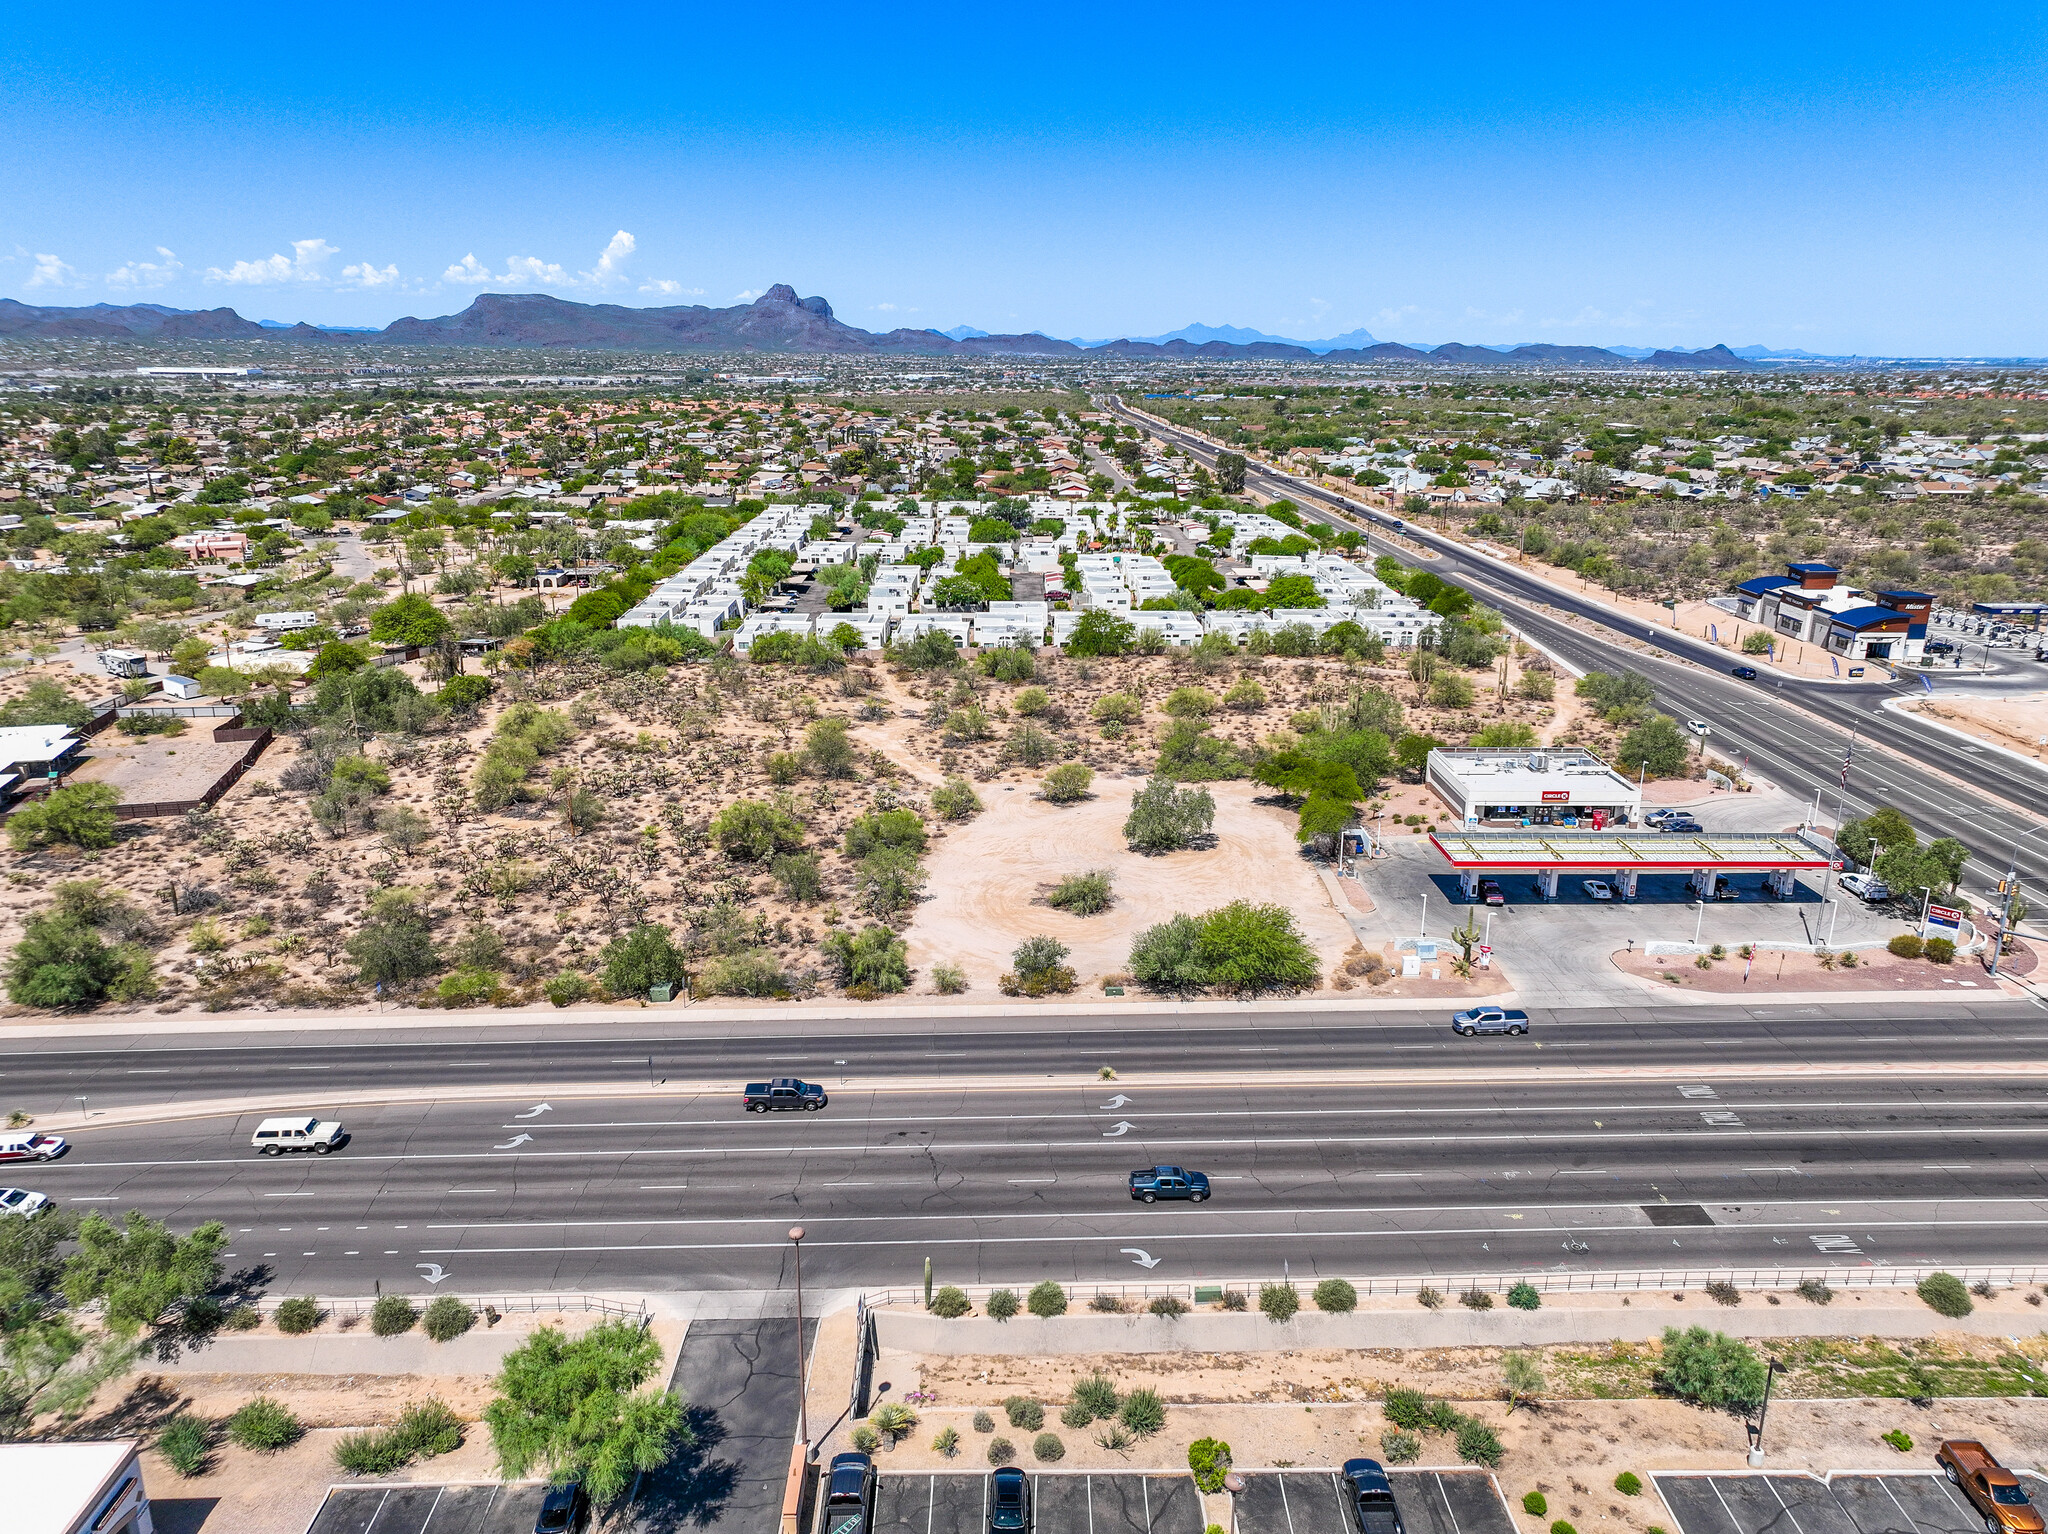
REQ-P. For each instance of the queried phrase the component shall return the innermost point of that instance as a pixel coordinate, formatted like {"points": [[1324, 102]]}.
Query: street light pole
{"points": [[803, 1405], [1772, 1369], [1698, 921]]}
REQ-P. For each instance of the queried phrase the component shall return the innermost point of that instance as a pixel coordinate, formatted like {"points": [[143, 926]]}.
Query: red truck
{"points": [[1995, 1490]]}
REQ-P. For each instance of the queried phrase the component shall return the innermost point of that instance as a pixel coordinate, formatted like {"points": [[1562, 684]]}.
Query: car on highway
{"points": [[849, 1494], [785, 1094], [22, 1146], [562, 1511], [21, 1201], [1490, 893], [1999, 1497], [1370, 1496], [274, 1137], [1149, 1184], [1598, 889], [1743, 673], [1489, 1020], [1009, 1501], [1699, 726], [1866, 887]]}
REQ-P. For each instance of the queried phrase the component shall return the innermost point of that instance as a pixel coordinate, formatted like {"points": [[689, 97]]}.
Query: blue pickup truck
{"points": [[1152, 1183], [785, 1094]]}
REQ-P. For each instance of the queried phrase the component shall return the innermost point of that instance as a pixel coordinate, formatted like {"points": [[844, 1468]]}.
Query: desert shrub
{"points": [[1535, 1504], [1336, 1295], [1002, 1304], [264, 1424], [875, 958], [1067, 783], [951, 1302], [1429, 1299], [1232, 1299], [1406, 1408], [1116, 1437], [1814, 1291], [1084, 894], [1898, 1439], [1524, 1296], [1279, 1301], [1076, 1415], [1562, 1526], [1047, 1299], [1047, 1447], [447, 1318], [1710, 1369], [1399, 1448], [1142, 1412], [947, 1441], [948, 979], [1191, 703], [1945, 1295], [1038, 968], [1166, 1305], [1209, 1460], [1107, 1304], [1028, 746], [1030, 702], [1478, 1444], [392, 1315], [186, 1441], [1721, 1292], [1001, 1452], [567, 988], [867, 1438], [754, 831], [893, 1421], [1442, 1417], [295, 1317], [984, 1423], [243, 1318], [1940, 950], [1097, 1396], [1629, 1484], [955, 799], [1024, 1412], [1906, 945], [1476, 1299], [798, 875]]}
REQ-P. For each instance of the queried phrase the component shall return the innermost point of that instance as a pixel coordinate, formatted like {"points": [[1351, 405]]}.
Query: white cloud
{"points": [[468, 269], [51, 272], [894, 308], [306, 264], [367, 276], [745, 296], [671, 287], [133, 275], [608, 265], [1387, 319]]}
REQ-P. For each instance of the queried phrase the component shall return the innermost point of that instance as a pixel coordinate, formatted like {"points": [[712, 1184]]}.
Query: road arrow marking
{"points": [[433, 1272], [515, 1142], [1123, 1127], [1141, 1257], [536, 1111], [1117, 1101]]}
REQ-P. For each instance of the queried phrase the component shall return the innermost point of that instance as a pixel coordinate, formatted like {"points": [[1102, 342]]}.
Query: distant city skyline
{"points": [[1821, 179]]}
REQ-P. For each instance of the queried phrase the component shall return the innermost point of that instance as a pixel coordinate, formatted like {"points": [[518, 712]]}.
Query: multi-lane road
{"points": [[1764, 1136], [1793, 732]]}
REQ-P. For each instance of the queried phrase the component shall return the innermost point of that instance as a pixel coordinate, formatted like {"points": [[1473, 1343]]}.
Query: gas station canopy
{"points": [[1534, 850]]}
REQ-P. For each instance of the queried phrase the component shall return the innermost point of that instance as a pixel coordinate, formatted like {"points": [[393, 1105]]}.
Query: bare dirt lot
{"points": [[2016, 721]]}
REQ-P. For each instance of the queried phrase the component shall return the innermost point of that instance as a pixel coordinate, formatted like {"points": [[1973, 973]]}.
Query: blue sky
{"points": [[1839, 178]]}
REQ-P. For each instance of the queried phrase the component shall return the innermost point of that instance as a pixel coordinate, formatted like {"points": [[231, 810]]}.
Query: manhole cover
{"points": [[1677, 1214]]}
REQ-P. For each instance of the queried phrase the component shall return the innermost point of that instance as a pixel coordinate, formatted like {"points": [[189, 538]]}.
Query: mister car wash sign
{"points": [[1557, 796]]}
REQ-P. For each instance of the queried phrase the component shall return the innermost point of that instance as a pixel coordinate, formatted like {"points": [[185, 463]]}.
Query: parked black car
{"points": [[1009, 1501], [1371, 1496], [849, 1494], [562, 1510], [1744, 673]]}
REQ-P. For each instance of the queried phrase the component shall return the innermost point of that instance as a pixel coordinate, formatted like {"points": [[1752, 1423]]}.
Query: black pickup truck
{"points": [[784, 1094]]}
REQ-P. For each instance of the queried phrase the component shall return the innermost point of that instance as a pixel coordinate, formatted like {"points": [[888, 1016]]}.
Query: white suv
{"points": [[276, 1136], [1866, 886]]}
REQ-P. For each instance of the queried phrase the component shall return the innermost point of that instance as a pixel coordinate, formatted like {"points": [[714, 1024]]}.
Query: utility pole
{"points": [[803, 1408]]}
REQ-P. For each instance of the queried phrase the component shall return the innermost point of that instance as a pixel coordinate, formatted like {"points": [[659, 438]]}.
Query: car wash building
{"points": [[1532, 788], [1808, 603], [1621, 856]]}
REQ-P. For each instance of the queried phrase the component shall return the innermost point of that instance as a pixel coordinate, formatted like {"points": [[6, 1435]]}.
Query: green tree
{"points": [[1246, 947], [77, 815], [1102, 633], [1165, 817], [140, 1272], [749, 829], [886, 828], [1710, 1369], [1656, 746], [48, 1365], [635, 962], [876, 959], [827, 750], [44, 702], [393, 944], [1167, 957], [1293, 591], [1411, 753], [337, 658], [1229, 472], [410, 620], [574, 1410]]}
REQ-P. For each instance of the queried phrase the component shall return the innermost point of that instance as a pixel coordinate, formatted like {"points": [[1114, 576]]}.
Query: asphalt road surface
{"points": [[1792, 732], [1502, 1167]]}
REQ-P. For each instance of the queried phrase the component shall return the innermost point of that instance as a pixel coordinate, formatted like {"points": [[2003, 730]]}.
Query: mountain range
{"points": [[780, 321]]}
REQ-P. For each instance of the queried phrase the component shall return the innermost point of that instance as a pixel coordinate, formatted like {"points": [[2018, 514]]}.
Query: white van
{"points": [[276, 1136]]}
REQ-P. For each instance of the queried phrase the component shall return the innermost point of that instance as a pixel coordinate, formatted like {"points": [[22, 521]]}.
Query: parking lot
{"points": [[1062, 1503], [1313, 1502], [1921, 1502], [429, 1510]]}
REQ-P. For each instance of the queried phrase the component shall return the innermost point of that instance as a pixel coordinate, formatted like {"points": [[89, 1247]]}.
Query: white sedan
{"points": [[1699, 726], [21, 1201], [1598, 889]]}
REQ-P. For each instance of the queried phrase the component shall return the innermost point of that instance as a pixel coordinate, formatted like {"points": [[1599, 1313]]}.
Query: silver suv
{"points": [[274, 1137]]}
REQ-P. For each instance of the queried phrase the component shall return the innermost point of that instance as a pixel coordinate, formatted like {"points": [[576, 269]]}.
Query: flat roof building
{"points": [[1533, 786], [90, 1487]]}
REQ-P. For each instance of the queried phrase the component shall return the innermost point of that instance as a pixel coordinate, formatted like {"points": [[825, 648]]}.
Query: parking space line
{"points": [[1969, 1515], [439, 1493], [931, 1503], [1456, 1527], [1726, 1511], [1771, 1482], [1284, 1507], [1089, 1483], [1885, 1482], [1145, 1486]]}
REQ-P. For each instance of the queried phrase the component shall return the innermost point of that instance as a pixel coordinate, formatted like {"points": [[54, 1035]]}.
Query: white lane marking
{"points": [[98, 1198], [664, 1187], [472, 1190], [291, 1195], [1946, 1166], [1793, 1169], [155, 1071], [1598, 1172], [1020, 1181], [309, 1067], [1845, 1245]]}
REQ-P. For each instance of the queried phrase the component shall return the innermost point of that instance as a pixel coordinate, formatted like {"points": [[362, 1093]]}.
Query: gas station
{"points": [[1622, 856]]}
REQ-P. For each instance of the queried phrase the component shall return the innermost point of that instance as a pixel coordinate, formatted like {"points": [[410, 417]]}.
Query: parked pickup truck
{"points": [[784, 1093], [1152, 1183], [1996, 1490], [1489, 1020]]}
